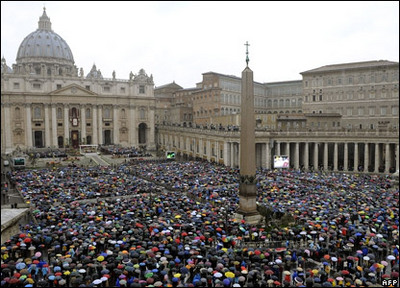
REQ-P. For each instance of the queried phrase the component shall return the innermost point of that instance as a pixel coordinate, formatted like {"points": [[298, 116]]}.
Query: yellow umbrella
{"points": [[229, 274], [178, 216], [100, 258]]}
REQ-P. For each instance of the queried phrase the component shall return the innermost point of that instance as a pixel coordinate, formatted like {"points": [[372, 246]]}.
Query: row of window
{"points": [[37, 86], [350, 80], [351, 95], [74, 113]]}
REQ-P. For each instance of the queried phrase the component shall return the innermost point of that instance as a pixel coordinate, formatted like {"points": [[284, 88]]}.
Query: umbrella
{"points": [[390, 257], [20, 266], [217, 275], [384, 263]]}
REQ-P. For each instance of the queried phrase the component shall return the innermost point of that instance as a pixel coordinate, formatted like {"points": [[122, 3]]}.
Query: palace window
{"points": [[37, 112]]}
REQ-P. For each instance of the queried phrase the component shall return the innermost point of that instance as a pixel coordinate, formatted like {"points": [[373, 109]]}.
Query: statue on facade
{"points": [[130, 76], [81, 72], [113, 75]]}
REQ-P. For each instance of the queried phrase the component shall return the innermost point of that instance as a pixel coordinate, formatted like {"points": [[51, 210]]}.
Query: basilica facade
{"points": [[46, 101]]}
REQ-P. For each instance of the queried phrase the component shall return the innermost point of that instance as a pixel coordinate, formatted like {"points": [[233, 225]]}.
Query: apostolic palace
{"points": [[340, 117]]}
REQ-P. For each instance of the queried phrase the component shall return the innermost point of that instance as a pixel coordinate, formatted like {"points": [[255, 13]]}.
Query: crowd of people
{"points": [[173, 224]]}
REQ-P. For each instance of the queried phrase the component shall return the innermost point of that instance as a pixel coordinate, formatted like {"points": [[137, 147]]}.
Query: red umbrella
{"points": [[13, 281], [22, 235], [345, 272], [27, 240], [269, 272]]}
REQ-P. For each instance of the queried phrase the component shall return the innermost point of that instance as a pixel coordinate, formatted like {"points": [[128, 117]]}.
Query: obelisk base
{"points": [[247, 203]]}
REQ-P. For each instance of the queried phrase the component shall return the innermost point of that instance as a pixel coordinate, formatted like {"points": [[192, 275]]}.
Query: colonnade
{"points": [[376, 157], [373, 153]]}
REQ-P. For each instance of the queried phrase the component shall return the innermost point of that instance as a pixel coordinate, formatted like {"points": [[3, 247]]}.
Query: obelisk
{"points": [[247, 181]]}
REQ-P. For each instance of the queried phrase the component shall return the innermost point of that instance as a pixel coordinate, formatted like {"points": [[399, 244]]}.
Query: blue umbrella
{"points": [[20, 266]]}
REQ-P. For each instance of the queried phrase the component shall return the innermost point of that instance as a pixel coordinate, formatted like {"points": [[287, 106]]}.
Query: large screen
{"points": [[170, 155], [281, 161], [20, 161]]}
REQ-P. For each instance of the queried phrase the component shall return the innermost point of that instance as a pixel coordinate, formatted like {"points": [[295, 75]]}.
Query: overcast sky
{"points": [[178, 41]]}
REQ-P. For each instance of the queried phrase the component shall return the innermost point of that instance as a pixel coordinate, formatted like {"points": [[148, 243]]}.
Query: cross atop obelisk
{"points": [[247, 53]]}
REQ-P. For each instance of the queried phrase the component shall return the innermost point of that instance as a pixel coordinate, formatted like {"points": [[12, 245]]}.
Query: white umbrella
{"points": [[391, 257]]}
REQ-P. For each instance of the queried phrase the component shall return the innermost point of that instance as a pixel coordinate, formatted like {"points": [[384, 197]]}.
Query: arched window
{"points": [[142, 113], [59, 113], [17, 113], [74, 113], [37, 113], [107, 113], [123, 115], [88, 114]]}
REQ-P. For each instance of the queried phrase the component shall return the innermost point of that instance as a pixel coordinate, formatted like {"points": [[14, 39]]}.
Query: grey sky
{"points": [[178, 41]]}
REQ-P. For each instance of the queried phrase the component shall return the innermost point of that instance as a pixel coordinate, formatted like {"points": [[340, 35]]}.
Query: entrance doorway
{"points": [[39, 139], [107, 137], [142, 133], [75, 139]]}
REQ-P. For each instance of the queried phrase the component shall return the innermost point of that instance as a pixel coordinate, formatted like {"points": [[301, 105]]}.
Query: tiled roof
{"points": [[354, 65]]}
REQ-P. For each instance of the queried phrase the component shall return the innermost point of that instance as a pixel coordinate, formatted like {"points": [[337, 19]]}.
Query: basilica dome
{"points": [[46, 47]]}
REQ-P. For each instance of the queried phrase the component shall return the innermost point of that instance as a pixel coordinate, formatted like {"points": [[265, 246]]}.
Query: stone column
{"points": [[278, 148], [83, 124], [151, 144], [132, 126], [366, 157], [377, 158], [231, 144], [216, 151], [227, 154], [397, 158], [115, 124], [268, 155], [306, 156], [263, 155], [335, 156], [95, 139], [7, 128], [46, 126], [287, 149], [54, 124], [326, 156], [296, 156], [66, 125], [356, 156], [28, 125], [208, 154], [388, 156], [100, 124], [315, 157], [346, 157]]}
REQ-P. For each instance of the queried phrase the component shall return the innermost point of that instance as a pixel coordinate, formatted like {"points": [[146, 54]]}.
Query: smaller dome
{"points": [[4, 67], [94, 73]]}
